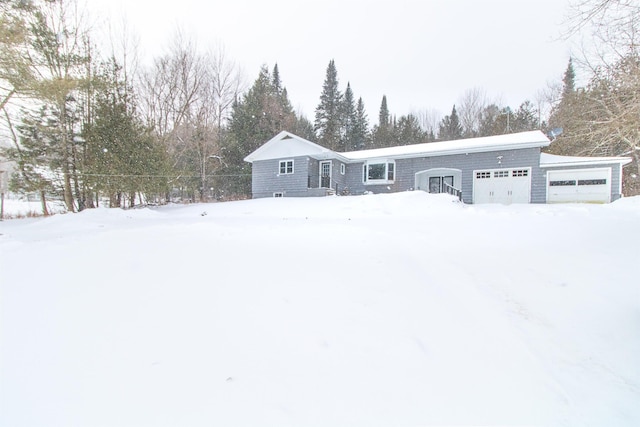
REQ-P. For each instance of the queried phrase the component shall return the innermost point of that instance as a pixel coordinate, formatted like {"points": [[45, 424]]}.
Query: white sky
{"points": [[421, 54]]}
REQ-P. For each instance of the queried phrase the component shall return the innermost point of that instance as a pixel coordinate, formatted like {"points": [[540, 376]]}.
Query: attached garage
{"points": [[579, 186], [583, 179], [502, 186]]}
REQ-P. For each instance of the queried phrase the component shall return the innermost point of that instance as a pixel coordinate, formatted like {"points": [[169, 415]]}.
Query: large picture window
{"points": [[379, 172], [286, 167]]}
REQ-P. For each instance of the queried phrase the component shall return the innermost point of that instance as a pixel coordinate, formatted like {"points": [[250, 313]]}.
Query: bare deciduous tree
{"points": [[429, 120], [470, 107], [187, 97]]}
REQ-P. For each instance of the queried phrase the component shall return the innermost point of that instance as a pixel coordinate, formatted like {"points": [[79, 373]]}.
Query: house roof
{"points": [[285, 145], [459, 146], [553, 160]]}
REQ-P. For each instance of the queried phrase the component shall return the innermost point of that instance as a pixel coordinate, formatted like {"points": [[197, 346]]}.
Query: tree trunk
{"points": [[43, 200], [76, 181], [66, 171], [203, 179], [68, 195]]}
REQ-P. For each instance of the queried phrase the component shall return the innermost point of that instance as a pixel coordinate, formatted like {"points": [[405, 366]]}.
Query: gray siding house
{"points": [[497, 169]]}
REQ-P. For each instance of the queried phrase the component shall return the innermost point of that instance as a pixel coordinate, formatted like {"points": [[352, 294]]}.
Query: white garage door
{"points": [[502, 186], [579, 186]]}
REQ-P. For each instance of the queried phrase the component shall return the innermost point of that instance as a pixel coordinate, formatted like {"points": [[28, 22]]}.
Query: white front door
{"points": [[502, 186]]}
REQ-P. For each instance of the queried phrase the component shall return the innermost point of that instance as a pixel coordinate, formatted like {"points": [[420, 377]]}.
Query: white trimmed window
{"points": [[278, 194], [286, 167], [380, 172], [343, 169]]}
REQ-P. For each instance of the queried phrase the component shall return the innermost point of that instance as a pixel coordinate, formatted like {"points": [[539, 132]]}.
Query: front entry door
{"points": [[325, 174], [434, 184], [439, 184]]}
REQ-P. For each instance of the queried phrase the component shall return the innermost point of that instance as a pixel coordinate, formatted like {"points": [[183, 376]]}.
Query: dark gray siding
{"points": [[266, 179], [304, 182], [467, 163], [338, 180], [616, 176], [314, 173]]}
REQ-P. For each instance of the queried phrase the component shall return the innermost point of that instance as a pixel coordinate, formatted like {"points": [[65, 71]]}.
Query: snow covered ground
{"points": [[20, 208], [383, 310]]}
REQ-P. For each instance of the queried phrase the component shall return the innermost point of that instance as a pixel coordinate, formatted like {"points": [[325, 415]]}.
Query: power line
{"points": [[102, 175]]}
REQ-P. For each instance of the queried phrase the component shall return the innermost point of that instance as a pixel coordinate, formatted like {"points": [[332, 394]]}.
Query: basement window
{"points": [[286, 167], [379, 172], [278, 194]]}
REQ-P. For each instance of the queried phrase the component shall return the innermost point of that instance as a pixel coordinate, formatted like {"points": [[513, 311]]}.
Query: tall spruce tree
{"points": [[360, 127], [275, 79], [261, 113], [382, 132], [564, 111], [569, 80], [348, 120], [450, 127], [383, 117], [328, 121]]}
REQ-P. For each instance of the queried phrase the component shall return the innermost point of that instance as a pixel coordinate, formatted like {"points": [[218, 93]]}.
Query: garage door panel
{"points": [[579, 186], [502, 186]]}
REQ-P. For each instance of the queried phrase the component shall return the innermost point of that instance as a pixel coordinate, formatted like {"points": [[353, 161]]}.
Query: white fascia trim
{"points": [[613, 160]]}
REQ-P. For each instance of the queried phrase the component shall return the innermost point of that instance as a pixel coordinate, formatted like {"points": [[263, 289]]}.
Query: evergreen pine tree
{"points": [[35, 155], [450, 127], [383, 116], [360, 128], [408, 131], [328, 113], [563, 114], [252, 118], [275, 80], [569, 80], [526, 118], [122, 157], [382, 132], [260, 114], [348, 119]]}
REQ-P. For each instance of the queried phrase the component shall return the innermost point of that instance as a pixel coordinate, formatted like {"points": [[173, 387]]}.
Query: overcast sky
{"points": [[423, 54]]}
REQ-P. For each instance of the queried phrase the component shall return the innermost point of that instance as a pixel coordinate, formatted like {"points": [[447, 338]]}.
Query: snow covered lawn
{"points": [[20, 208], [388, 310]]}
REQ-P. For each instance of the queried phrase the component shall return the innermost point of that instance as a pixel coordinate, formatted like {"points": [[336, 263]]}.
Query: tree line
{"points": [[87, 126]]}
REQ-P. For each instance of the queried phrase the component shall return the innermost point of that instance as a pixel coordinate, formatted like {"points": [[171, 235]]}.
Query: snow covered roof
{"points": [[459, 146], [285, 145], [553, 160]]}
